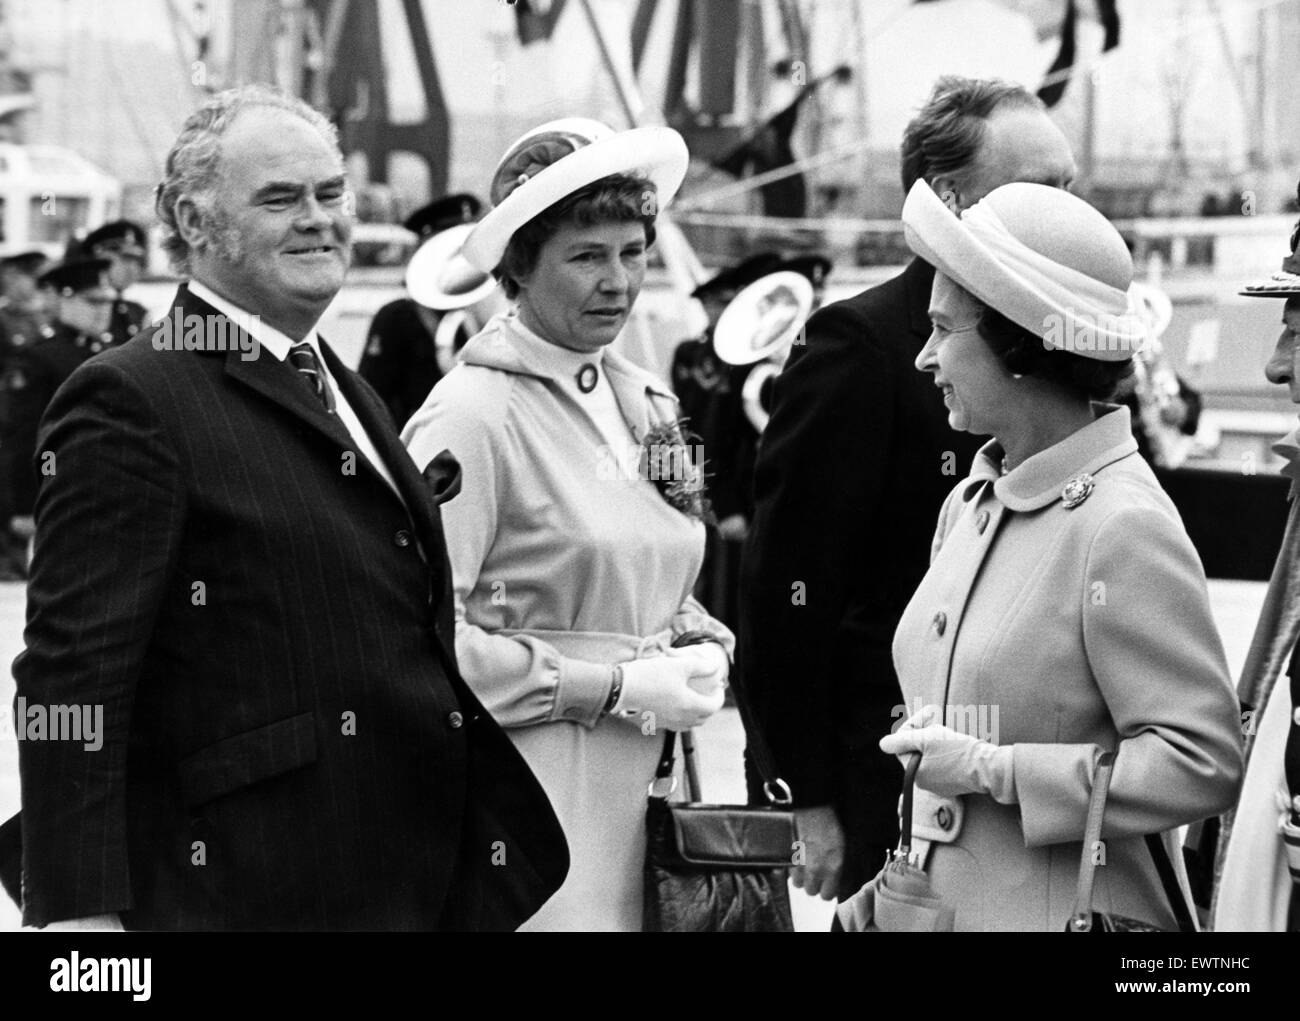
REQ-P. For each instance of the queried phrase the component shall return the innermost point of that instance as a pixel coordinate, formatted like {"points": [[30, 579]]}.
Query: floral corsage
{"points": [[673, 459]]}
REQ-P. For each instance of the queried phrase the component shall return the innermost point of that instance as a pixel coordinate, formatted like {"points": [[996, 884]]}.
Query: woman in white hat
{"points": [[572, 567], [1065, 613]]}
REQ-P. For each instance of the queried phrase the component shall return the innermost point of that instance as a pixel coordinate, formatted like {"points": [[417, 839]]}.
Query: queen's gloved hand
{"points": [[953, 763]]}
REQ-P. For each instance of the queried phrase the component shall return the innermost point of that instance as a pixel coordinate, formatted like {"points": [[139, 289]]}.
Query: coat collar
{"points": [[507, 345], [1037, 481]]}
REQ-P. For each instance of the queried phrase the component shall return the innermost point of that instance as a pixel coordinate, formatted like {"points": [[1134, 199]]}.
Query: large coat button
{"points": [[402, 538], [940, 623], [455, 720]]}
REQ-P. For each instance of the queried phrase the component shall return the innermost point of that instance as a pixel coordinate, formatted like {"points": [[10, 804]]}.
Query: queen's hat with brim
{"points": [[559, 157], [1042, 257], [440, 277]]}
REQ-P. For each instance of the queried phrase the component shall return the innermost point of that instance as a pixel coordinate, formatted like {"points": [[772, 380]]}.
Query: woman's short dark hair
{"points": [[1024, 353], [618, 198]]}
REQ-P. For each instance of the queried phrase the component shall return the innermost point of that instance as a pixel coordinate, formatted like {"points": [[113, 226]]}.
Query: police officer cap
{"points": [[121, 236], [744, 273], [442, 213], [74, 275], [815, 267], [29, 262]]}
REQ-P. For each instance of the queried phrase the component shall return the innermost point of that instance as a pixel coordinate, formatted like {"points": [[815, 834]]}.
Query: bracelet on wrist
{"points": [[615, 690]]}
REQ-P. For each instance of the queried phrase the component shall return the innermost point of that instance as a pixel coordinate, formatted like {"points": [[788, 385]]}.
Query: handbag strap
{"points": [[1082, 918], [776, 790], [1081, 921]]}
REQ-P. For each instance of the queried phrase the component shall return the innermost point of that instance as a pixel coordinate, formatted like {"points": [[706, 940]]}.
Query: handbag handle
{"points": [[776, 790], [909, 790], [1081, 920]]}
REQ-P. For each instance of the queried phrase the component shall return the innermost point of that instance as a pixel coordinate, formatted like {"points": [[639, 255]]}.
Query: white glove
{"points": [[953, 763], [709, 665], [662, 687]]}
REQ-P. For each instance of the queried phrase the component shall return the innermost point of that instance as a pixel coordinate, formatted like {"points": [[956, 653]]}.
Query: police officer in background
{"points": [[704, 385], [125, 245], [750, 400], [400, 359], [708, 390], [32, 373], [23, 314], [23, 321]]}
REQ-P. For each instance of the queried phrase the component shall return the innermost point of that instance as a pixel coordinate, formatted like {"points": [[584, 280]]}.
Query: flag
{"points": [[1059, 73], [535, 19], [767, 149]]}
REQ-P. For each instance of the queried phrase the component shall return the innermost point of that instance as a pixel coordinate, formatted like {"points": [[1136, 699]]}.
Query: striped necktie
{"points": [[303, 358]]}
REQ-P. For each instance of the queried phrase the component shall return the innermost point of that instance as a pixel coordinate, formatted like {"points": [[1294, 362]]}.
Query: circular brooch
{"points": [[587, 376], [1077, 490]]}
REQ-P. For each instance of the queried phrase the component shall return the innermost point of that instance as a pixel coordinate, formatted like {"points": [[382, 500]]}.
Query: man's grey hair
{"points": [[193, 165]]}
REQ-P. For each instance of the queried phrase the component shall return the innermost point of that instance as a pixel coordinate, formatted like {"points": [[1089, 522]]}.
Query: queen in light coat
{"points": [[1064, 598]]}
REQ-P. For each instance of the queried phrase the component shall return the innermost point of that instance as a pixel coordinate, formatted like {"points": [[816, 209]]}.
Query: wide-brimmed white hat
{"points": [[763, 318], [440, 277], [1042, 257], [559, 157]]}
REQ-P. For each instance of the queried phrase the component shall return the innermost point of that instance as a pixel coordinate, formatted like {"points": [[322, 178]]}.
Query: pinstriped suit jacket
{"points": [[287, 741]]}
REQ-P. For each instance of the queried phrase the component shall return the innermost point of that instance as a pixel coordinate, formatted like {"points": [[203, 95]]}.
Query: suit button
{"points": [[455, 721], [940, 623], [402, 538], [944, 818], [982, 521]]}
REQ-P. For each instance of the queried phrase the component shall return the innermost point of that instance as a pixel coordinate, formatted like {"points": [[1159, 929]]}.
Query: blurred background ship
{"points": [[1181, 112]]}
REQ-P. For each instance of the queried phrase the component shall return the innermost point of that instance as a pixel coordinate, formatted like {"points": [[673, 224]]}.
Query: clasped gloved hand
{"points": [[953, 763]]}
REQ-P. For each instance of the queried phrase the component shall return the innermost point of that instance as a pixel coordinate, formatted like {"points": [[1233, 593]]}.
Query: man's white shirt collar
{"points": [[267, 336]]}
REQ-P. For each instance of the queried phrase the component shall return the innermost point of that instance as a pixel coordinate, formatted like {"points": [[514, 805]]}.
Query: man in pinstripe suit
{"points": [[237, 560]]}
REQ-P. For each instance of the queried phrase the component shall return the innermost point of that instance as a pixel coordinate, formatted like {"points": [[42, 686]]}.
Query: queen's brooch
{"points": [[1077, 490]]}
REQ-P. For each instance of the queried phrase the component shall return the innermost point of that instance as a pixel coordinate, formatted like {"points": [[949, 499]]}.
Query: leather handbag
{"points": [[717, 868], [1084, 918]]}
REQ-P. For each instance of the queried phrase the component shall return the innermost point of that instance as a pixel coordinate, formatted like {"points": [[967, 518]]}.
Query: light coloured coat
{"points": [[564, 563], [1065, 631]]}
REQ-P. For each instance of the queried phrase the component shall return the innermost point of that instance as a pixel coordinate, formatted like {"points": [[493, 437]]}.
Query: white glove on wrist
{"points": [[709, 665], [662, 687], [953, 763]]}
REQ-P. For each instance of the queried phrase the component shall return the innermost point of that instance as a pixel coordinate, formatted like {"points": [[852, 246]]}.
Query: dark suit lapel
{"points": [[375, 420], [267, 375], [410, 483]]}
